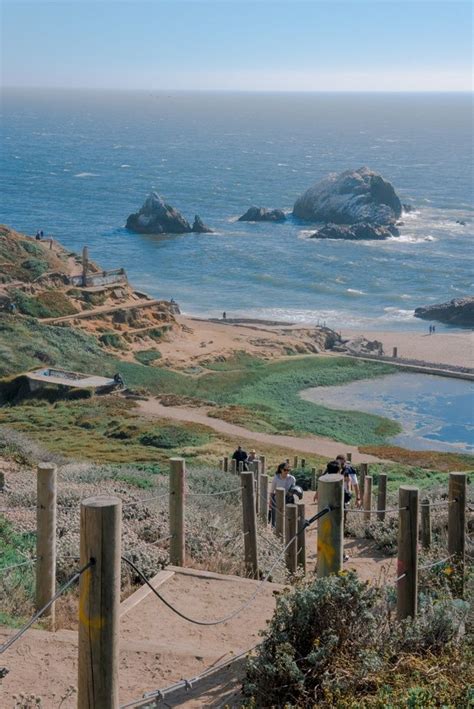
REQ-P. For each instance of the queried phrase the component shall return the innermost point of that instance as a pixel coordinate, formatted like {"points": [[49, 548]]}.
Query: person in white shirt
{"points": [[282, 479]]}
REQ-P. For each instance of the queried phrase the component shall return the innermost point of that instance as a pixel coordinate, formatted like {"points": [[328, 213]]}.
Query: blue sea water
{"points": [[75, 164]]}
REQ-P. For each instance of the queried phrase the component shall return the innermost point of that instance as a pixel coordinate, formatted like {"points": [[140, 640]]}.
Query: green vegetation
{"points": [[333, 642], [103, 430], [16, 584], [147, 356], [112, 339], [422, 459], [48, 304]]}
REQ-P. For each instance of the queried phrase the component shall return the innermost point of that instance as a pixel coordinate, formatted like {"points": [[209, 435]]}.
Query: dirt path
{"points": [[103, 310], [316, 445]]}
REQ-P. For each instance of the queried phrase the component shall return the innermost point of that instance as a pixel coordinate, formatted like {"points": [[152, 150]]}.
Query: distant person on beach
{"points": [[41, 234], [282, 479], [240, 456], [38, 236], [431, 329], [224, 315]]}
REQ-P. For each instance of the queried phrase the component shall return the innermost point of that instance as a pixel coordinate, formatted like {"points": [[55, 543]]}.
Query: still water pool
{"points": [[435, 413]]}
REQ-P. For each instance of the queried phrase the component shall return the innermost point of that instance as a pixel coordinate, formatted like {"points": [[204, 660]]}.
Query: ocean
{"points": [[76, 163]]}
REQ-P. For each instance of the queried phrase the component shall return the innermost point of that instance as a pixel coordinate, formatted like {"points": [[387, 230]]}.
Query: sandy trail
{"points": [[317, 445]]}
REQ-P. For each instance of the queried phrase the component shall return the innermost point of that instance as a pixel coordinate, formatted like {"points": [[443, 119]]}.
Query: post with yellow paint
{"points": [[99, 599], [331, 526]]}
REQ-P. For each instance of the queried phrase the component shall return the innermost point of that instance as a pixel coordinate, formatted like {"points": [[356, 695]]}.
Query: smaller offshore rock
{"points": [[356, 232], [157, 217], [199, 227], [459, 311], [260, 214]]}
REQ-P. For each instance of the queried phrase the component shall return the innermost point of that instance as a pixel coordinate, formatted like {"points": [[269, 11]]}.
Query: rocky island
{"points": [[356, 204], [261, 214], [157, 217], [459, 311]]}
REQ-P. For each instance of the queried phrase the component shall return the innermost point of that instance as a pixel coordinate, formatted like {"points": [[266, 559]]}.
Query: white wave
{"points": [[305, 233], [125, 165], [282, 164], [354, 291], [87, 174], [411, 239], [397, 313]]}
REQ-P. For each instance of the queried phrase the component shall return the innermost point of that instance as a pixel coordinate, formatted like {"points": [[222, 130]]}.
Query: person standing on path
{"points": [[282, 479], [240, 456], [350, 479]]}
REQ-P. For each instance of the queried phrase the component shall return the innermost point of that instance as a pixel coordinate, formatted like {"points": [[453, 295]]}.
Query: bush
{"points": [[147, 356], [173, 437], [333, 639], [112, 339]]}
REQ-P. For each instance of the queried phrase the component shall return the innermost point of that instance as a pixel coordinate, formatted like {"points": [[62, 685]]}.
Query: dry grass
{"points": [[432, 460]]}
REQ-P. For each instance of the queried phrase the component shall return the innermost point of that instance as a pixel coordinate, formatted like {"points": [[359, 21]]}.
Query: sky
{"points": [[255, 45]]}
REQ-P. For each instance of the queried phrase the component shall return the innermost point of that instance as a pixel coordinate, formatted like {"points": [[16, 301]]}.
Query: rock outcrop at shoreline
{"points": [[260, 214], [356, 232], [459, 311], [157, 217], [353, 197]]}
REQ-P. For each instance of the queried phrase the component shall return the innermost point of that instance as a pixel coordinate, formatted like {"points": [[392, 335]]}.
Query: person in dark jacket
{"points": [[240, 456]]}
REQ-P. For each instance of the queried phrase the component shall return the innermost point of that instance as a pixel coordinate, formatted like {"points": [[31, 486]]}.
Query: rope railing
{"points": [[425, 567], [210, 494], [3, 569], [186, 684], [244, 605], [360, 510], [42, 610]]}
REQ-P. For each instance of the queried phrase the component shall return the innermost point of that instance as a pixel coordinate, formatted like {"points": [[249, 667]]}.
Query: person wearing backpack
{"points": [[350, 480]]}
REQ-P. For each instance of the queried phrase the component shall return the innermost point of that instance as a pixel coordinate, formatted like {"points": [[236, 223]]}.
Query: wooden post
{"points": [[382, 496], [314, 480], [263, 499], [46, 537], [295, 462], [303, 462], [225, 462], [249, 524], [233, 466], [280, 495], [263, 465], [426, 523], [330, 530], [364, 470], [241, 466], [301, 542], [349, 457], [85, 264], [99, 600], [287, 461], [407, 567], [368, 498], [395, 352], [457, 527], [176, 508], [2, 481], [291, 527], [255, 467]]}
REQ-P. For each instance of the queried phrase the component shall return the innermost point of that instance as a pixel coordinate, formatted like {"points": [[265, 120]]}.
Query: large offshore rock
{"points": [[357, 232], [157, 217], [352, 197], [459, 311], [260, 214]]}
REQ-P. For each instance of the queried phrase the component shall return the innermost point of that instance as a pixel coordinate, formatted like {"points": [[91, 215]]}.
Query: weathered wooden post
{"points": [[314, 480], [407, 566], [263, 499], [301, 545], [255, 467], [176, 509], [46, 537], [364, 470], [241, 466], [233, 466], [349, 457], [291, 540], [280, 495], [395, 352], [426, 523], [249, 523], [303, 462], [99, 599], [225, 463], [382, 496], [368, 498], [2, 481], [85, 265], [457, 527], [295, 461], [263, 465], [330, 530]]}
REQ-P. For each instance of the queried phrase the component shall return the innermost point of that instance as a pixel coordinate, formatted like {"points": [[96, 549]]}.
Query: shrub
{"points": [[112, 339], [147, 356], [173, 437]]}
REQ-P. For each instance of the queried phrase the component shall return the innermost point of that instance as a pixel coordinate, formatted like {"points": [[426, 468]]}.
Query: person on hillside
{"points": [[283, 479], [252, 456], [240, 456], [350, 479]]}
